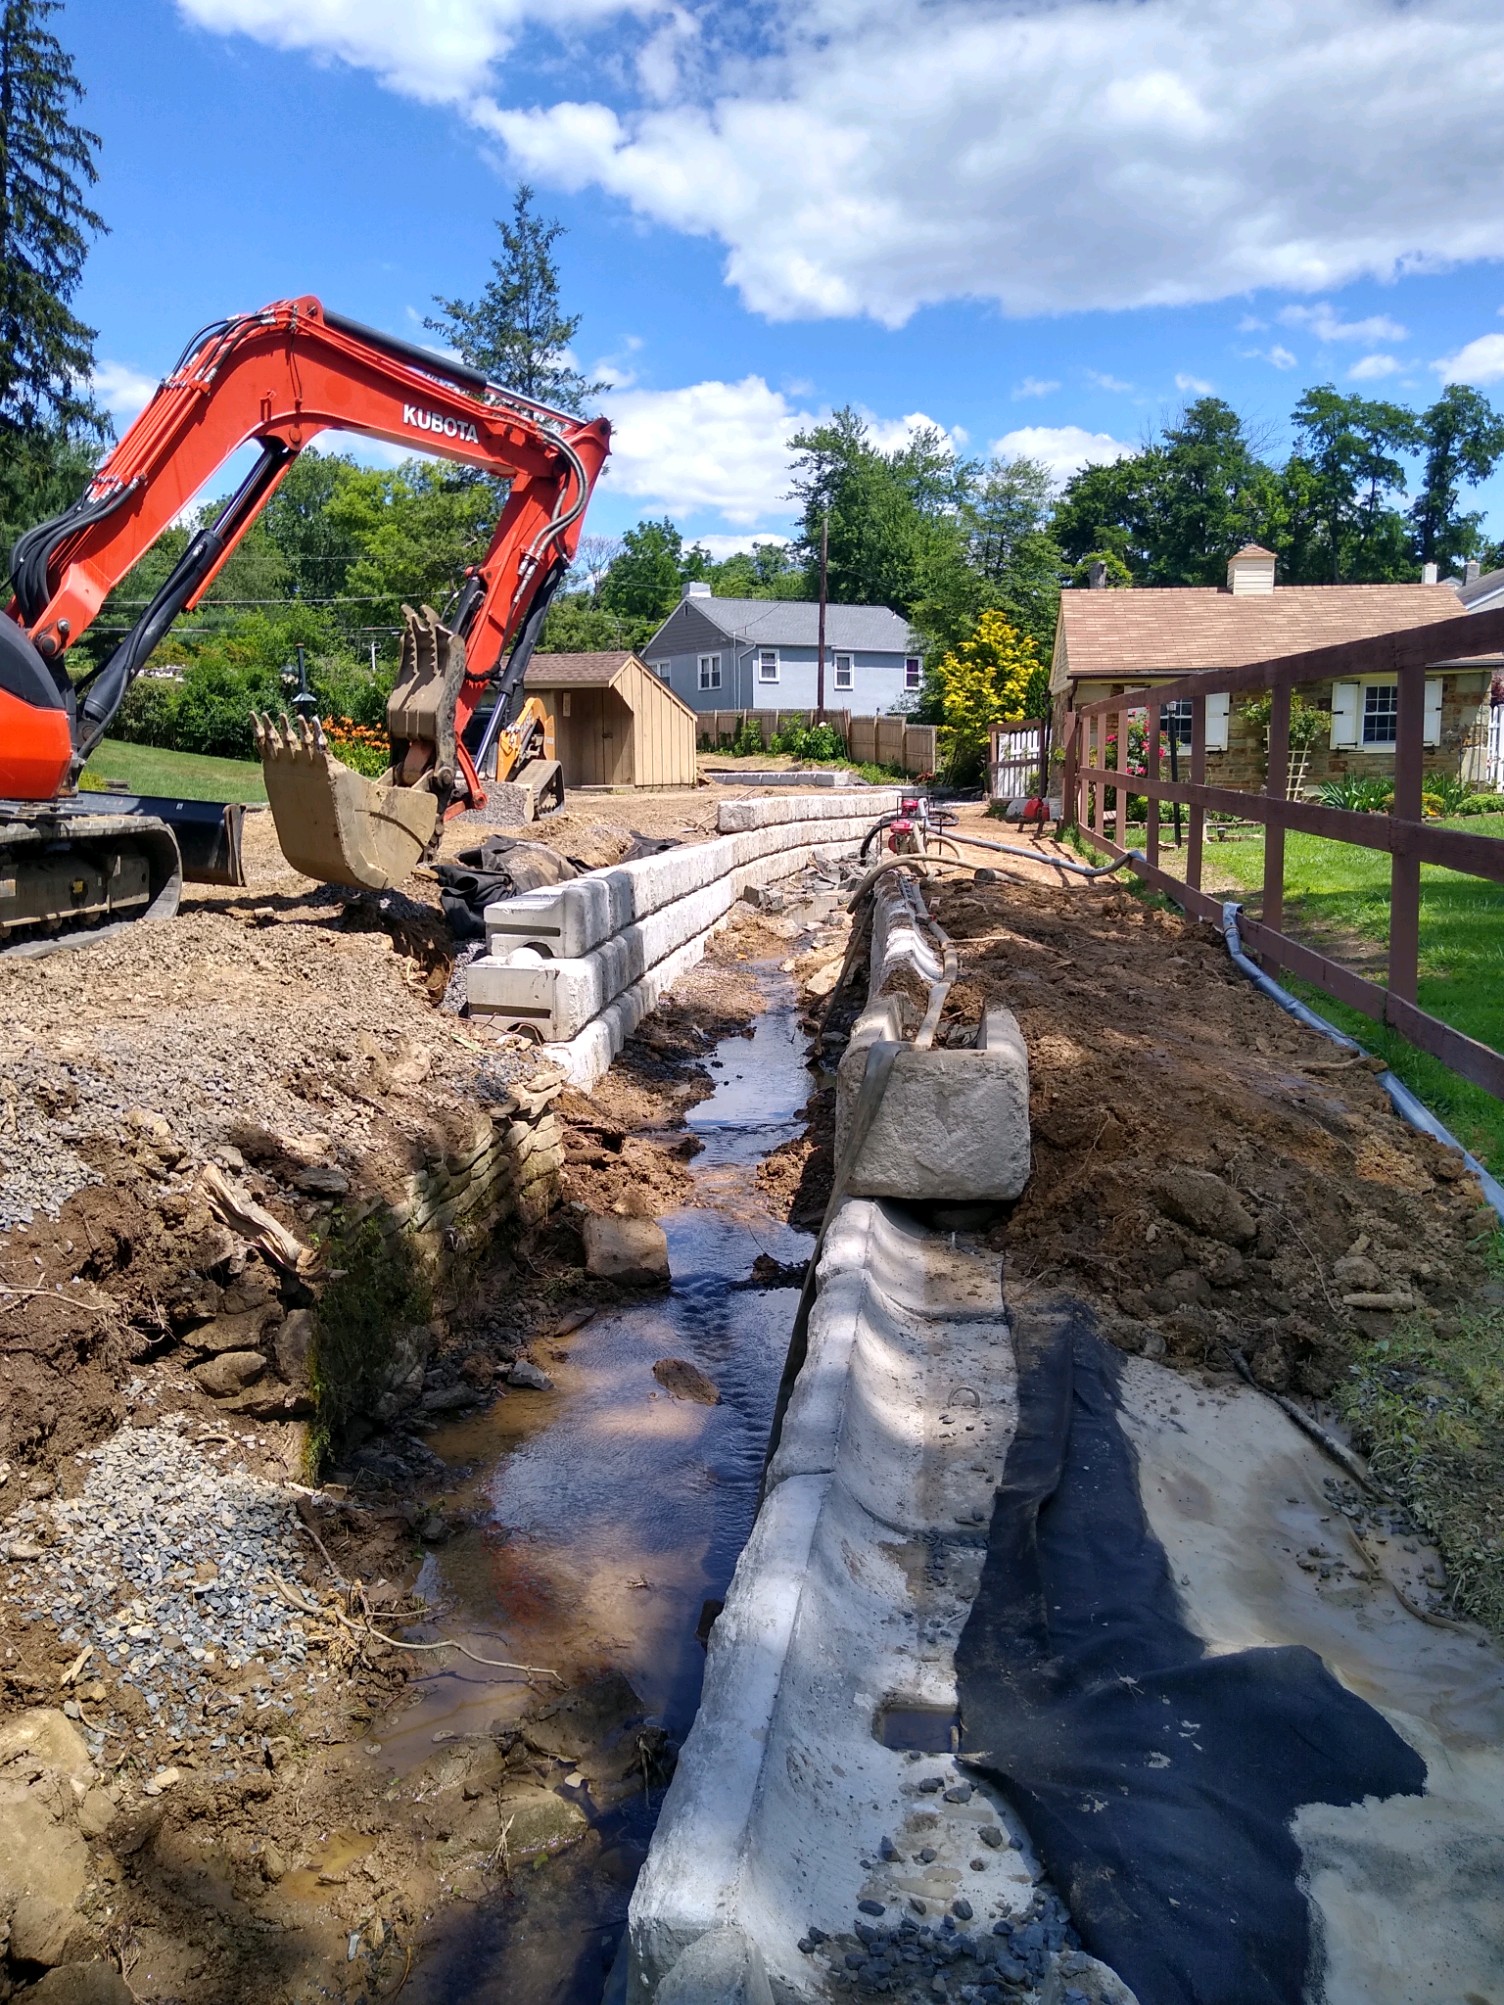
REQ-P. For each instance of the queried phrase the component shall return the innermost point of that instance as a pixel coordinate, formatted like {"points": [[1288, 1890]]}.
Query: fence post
{"points": [[1277, 787], [1151, 760], [1404, 873], [1070, 785], [1198, 779]]}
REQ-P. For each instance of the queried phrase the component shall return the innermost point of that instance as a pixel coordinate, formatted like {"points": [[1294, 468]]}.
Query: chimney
{"points": [[1470, 571], [1096, 576], [1250, 572], [1429, 573], [697, 588]]}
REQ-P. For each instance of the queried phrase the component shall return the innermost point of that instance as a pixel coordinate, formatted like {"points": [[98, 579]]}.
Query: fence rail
{"points": [[1096, 756], [878, 741]]}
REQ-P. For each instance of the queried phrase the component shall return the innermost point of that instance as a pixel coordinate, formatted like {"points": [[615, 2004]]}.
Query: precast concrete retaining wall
{"points": [[795, 1797], [582, 963]]}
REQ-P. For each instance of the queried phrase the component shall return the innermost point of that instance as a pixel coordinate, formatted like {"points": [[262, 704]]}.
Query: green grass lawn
{"points": [[146, 769], [1337, 900]]}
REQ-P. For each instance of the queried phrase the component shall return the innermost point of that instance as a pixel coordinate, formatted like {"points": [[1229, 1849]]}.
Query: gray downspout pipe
{"points": [[1403, 1100]]}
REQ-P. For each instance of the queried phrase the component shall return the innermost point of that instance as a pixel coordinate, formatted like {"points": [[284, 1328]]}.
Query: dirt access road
{"points": [[1196, 1172]]}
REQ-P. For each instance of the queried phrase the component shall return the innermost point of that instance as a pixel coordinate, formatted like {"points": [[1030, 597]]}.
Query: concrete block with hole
{"points": [[951, 1124]]}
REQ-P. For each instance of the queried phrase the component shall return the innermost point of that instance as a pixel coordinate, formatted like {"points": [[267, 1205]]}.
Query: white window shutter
{"points": [[1432, 732], [1346, 701], [1218, 708]]}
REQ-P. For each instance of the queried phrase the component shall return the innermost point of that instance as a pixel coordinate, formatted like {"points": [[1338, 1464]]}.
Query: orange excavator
{"points": [[278, 378]]}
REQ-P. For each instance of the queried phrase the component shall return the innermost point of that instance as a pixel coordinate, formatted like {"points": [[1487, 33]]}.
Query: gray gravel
{"points": [[163, 1563]]}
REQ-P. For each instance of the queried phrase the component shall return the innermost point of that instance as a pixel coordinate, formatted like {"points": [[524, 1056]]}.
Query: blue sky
{"points": [[1040, 226]]}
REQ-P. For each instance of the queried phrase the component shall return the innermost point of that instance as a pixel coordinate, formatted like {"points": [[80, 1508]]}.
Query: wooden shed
{"points": [[615, 723]]}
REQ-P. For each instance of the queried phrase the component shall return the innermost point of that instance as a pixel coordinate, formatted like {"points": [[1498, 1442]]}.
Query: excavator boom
{"points": [[278, 379]]}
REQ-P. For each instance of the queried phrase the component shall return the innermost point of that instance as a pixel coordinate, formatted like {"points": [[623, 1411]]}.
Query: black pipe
{"points": [[408, 351]]}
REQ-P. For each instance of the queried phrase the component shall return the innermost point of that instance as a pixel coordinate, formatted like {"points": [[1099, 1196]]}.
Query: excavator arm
{"points": [[278, 379]]}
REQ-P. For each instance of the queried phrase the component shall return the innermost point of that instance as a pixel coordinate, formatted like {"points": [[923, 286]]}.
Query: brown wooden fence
{"points": [[1096, 768], [878, 741]]}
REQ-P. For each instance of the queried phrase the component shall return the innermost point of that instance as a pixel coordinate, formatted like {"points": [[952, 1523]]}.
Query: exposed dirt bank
{"points": [[223, 1624]]}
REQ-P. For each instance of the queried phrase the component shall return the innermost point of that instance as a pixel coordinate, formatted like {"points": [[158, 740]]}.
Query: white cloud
{"points": [[712, 445], [1105, 382], [1278, 356], [722, 547], [1372, 368], [1324, 323], [873, 156], [123, 391], [1192, 386], [1036, 386], [1062, 448], [1481, 361], [441, 51], [891, 435]]}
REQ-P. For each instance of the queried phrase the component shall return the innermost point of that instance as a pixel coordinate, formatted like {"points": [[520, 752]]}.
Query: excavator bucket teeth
{"points": [[334, 824]]}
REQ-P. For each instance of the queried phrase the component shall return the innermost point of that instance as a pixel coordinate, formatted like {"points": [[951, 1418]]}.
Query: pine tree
{"points": [[46, 164], [516, 331]]}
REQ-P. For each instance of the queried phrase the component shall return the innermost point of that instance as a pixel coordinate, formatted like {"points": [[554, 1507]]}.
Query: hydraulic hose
{"points": [[1401, 1098]]}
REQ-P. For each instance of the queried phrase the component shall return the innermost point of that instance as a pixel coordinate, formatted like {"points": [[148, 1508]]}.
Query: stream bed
{"points": [[605, 1518]]}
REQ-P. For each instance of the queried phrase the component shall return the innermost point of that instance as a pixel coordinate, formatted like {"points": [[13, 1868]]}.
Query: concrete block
{"points": [[734, 816], [853, 1590], [722, 1968], [951, 1124]]}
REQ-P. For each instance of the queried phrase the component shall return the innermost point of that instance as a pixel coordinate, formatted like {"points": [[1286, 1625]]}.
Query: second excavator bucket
{"points": [[334, 824]]}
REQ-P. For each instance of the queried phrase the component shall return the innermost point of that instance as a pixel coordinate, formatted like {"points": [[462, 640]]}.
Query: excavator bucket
{"points": [[343, 828], [334, 824]]}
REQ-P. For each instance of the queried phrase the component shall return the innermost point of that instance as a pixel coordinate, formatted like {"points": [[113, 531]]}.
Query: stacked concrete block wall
{"points": [[581, 963], [867, 1551]]}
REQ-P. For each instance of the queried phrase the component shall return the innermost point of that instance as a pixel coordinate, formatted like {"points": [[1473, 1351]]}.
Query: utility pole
{"points": [[820, 638]]}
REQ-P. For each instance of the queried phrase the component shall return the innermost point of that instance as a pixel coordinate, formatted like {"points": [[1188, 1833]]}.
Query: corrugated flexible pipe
{"points": [[1404, 1101]]}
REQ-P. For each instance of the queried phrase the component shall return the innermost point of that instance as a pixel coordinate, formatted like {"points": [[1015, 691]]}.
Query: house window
{"points": [[767, 664], [1175, 722], [913, 671], [843, 671], [1381, 709], [663, 670], [710, 671]]}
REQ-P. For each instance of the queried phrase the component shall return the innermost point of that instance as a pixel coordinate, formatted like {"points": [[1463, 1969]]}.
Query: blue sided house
{"points": [[761, 654]]}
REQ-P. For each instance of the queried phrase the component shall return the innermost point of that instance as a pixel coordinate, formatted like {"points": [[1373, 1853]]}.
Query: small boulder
{"points": [[229, 1373], [630, 1250], [322, 1180], [536, 1821], [683, 1380], [530, 1377], [1207, 1204], [240, 1332], [293, 1345]]}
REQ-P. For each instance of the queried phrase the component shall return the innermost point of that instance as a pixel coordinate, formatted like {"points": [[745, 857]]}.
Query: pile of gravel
{"points": [[896, 1955], [163, 1563]]}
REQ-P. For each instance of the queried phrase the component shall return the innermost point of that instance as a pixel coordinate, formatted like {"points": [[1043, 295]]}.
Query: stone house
{"points": [[1108, 641]]}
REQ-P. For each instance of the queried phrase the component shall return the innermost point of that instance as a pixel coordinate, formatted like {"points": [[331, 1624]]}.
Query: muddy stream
{"points": [[605, 1520]]}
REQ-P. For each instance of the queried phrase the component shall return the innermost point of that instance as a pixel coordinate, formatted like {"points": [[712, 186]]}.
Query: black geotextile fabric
{"points": [[1157, 1783], [500, 868]]}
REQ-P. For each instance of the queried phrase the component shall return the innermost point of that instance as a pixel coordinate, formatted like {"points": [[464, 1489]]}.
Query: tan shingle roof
{"points": [[1177, 629], [560, 671]]}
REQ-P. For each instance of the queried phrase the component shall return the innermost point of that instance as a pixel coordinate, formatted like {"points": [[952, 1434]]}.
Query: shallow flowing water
{"points": [[608, 1513]]}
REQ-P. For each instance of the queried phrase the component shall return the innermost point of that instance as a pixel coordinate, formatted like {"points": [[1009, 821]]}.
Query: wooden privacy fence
{"points": [[1096, 765], [878, 741]]}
